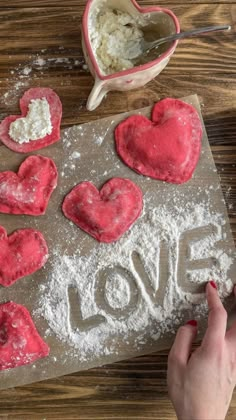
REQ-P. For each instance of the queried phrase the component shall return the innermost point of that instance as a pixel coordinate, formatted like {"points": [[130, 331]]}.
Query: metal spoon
{"points": [[146, 46]]}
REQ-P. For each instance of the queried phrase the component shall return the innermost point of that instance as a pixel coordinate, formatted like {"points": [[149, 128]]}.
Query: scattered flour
{"points": [[75, 155], [26, 73], [117, 291], [27, 70], [36, 125], [40, 62], [99, 140], [123, 285], [73, 144]]}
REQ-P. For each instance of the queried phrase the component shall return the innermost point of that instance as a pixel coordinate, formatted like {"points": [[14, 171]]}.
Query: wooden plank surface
{"points": [[135, 389], [50, 3]]}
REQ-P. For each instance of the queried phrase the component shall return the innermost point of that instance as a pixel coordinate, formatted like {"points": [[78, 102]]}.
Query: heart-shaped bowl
{"points": [[165, 23]]}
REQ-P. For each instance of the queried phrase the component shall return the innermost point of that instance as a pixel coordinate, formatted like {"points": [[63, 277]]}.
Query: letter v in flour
{"points": [[149, 291]]}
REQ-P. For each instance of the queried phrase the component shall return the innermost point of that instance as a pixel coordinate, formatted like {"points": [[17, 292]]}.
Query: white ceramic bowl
{"points": [[137, 76]]}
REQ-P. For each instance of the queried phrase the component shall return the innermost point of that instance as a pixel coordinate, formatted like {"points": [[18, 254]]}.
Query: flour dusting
{"points": [[121, 283], [117, 291], [35, 69], [19, 193], [123, 298]]}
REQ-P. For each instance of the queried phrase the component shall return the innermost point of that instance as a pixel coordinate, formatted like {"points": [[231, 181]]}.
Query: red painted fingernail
{"points": [[213, 284], [192, 322]]}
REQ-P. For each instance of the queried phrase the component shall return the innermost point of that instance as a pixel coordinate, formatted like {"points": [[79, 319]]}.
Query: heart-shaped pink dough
{"points": [[55, 112], [28, 191], [20, 342], [166, 148], [107, 214], [22, 253]]}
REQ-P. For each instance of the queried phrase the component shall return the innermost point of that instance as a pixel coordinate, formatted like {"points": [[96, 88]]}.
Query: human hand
{"points": [[201, 384]]}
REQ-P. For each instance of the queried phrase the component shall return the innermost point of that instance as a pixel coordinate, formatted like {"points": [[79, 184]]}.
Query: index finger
{"points": [[217, 318], [231, 333]]}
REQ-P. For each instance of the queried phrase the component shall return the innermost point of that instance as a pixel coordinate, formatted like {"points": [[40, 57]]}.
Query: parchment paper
{"points": [[98, 162]]}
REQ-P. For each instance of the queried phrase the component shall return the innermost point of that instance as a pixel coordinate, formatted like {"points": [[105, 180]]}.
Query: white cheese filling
{"points": [[112, 34], [36, 125]]}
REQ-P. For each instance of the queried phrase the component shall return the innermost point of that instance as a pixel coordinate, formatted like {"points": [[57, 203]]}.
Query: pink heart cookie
{"points": [[28, 191], [166, 148], [22, 253], [105, 215], [55, 114], [20, 342]]}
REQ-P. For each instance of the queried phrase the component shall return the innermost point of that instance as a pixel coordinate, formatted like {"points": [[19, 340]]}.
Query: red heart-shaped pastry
{"points": [[55, 107], [20, 342], [22, 253], [166, 148], [107, 214], [28, 191]]}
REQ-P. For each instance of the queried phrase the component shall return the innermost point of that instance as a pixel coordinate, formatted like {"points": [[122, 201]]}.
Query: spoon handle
{"points": [[187, 34]]}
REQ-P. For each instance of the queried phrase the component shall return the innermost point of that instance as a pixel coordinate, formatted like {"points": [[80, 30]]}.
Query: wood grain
{"points": [[135, 389], [143, 3]]}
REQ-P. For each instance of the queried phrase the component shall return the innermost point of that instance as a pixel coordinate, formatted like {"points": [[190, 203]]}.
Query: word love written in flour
{"points": [[142, 282]]}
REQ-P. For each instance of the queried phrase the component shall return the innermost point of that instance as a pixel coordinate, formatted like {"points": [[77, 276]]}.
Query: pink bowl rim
{"points": [[136, 69]]}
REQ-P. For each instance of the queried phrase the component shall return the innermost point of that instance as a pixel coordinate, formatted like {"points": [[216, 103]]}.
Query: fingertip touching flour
{"points": [[122, 287]]}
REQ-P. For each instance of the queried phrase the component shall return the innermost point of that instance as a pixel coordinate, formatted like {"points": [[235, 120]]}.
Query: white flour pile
{"points": [[36, 124], [117, 291], [115, 35], [125, 297]]}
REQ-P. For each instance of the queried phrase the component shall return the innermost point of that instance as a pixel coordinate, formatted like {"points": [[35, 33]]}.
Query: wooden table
{"points": [[33, 31]]}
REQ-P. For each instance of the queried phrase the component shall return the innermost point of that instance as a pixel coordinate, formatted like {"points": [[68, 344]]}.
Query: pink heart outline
{"points": [[37, 176], [150, 147], [22, 253], [56, 114], [105, 214], [20, 342]]}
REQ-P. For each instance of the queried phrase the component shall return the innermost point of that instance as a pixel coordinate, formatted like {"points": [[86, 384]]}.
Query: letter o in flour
{"points": [[116, 292]]}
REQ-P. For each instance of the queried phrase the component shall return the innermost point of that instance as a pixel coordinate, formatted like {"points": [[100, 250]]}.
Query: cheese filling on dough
{"points": [[36, 125]]}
